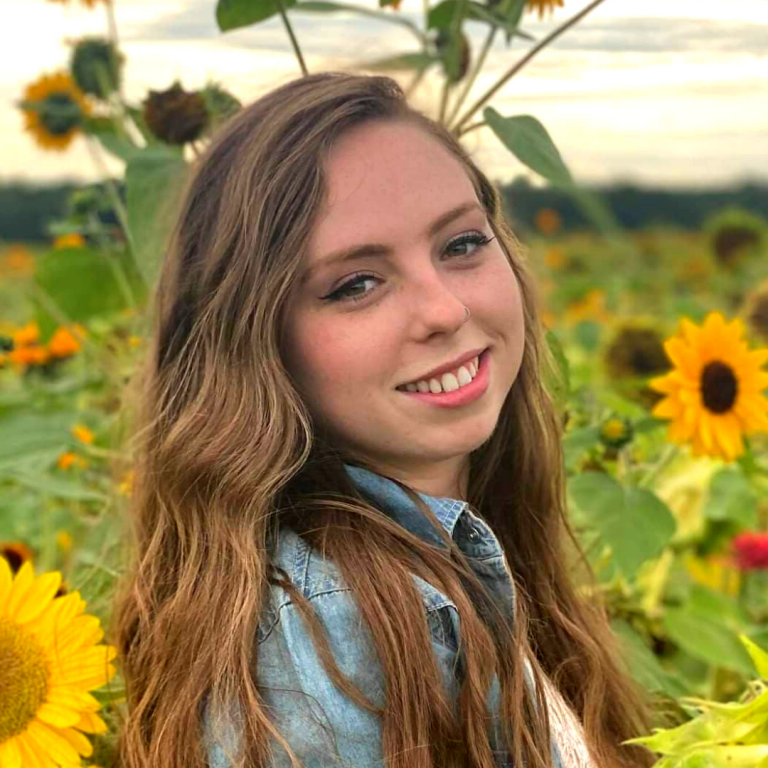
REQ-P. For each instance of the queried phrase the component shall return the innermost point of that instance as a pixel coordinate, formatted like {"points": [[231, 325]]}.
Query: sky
{"points": [[655, 92]]}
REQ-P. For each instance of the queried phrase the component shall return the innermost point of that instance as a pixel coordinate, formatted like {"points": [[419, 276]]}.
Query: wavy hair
{"points": [[226, 452]]}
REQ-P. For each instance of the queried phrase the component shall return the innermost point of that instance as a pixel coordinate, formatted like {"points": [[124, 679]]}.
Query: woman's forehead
{"points": [[382, 174]]}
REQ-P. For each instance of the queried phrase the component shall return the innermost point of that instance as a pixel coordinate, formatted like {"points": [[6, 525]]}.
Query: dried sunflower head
{"points": [[735, 235], [635, 352], [755, 311], [176, 116]]}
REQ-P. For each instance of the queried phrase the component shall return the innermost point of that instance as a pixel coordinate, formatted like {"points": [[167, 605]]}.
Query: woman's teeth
{"points": [[448, 382]]}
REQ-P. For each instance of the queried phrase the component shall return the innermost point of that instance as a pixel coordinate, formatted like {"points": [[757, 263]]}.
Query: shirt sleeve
{"points": [[322, 725]]}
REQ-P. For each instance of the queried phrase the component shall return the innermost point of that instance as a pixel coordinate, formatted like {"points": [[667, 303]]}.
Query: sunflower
{"points": [[543, 6], [713, 394], [176, 116], [54, 108], [50, 662], [16, 553]]}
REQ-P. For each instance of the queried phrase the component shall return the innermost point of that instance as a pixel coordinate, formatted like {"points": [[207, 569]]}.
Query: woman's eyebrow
{"points": [[379, 249]]}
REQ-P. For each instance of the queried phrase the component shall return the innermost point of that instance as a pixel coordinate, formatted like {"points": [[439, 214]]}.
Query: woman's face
{"points": [[359, 328]]}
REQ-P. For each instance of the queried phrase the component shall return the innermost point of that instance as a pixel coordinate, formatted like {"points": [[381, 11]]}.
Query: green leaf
{"points": [[731, 498], [59, 487], [633, 521], [643, 664], [154, 180], [758, 655], [441, 17], [707, 640], [119, 146], [528, 140], [717, 607], [232, 14], [561, 385], [83, 284], [29, 436], [416, 61]]}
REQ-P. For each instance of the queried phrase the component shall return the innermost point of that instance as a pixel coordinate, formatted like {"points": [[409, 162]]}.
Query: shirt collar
{"points": [[399, 507]]}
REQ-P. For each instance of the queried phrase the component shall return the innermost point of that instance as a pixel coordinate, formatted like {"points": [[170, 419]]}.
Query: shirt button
{"points": [[473, 534]]}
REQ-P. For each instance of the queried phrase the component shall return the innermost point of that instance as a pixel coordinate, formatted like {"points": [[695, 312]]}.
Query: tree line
{"points": [[26, 209]]}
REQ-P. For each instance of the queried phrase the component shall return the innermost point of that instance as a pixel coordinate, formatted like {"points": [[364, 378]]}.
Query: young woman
{"points": [[349, 514]]}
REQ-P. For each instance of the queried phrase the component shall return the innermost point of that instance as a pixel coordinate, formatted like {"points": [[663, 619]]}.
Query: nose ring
{"points": [[466, 309]]}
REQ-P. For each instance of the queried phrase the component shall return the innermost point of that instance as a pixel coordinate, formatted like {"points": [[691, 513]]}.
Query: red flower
{"points": [[750, 551]]}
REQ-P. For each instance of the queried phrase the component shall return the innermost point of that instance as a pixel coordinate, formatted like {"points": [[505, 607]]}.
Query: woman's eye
{"points": [[347, 291]]}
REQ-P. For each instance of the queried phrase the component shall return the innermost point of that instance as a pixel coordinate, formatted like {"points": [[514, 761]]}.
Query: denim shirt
{"points": [[300, 698]]}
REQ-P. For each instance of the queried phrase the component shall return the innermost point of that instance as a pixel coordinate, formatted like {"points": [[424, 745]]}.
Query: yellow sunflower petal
{"points": [[758, 357], [38, 597], [690, 416], [21, 586], [78, 741], [705, 431], [57, 716], [6, 578], [753, 412], [727, 436], [31, 755], [691, 332], [10, 755], [73, 698], [663, 384], [91, 723], [667, 409], [681, 356], [91, 663], [51, 743]]}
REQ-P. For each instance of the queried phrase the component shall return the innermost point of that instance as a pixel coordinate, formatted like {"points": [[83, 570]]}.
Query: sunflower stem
{"points": [[114, 195], [453, 41], [473, 75], [669, 453], [294, 41], [502, 81], [116, 267], [122, 116], [473, 127]]}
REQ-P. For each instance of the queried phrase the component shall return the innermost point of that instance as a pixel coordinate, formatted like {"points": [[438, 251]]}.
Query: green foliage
{"points": [[730, 735], [633, 521]]}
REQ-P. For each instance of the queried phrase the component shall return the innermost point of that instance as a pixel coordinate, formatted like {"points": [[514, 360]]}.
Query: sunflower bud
{"points": [[442, 42], [96, 66], [176, 116], [615, 432]]}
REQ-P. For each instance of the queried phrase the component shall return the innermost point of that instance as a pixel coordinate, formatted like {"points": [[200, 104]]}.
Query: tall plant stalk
{"points": [[502, 81]]}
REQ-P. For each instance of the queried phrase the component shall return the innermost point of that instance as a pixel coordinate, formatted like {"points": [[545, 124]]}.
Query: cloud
{"points": [[641, 35]]}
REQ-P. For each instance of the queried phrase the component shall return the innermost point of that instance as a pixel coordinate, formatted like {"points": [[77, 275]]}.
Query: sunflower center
{"points": [[23, 679], [718, 387], [59, 113]]}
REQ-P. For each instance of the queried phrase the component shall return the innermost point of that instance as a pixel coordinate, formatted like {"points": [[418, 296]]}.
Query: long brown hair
{"points": [[226, 452]]}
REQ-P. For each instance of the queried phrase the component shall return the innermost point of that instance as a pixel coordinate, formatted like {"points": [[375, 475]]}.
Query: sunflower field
{"points": [[662, 388]]}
